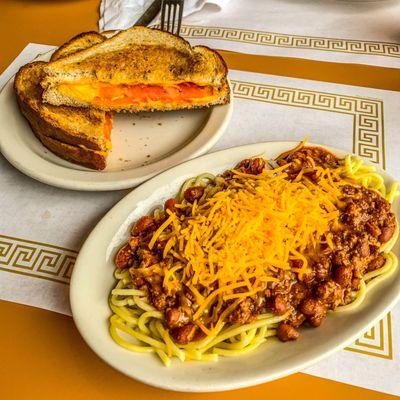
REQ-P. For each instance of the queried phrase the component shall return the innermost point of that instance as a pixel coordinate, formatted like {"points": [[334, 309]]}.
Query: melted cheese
{"points": [[233, 242], [105, 94]]}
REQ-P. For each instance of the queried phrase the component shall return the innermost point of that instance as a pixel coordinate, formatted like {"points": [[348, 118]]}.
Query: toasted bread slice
{"points": [[139, 69], [77, 43], [71, 125], [79, 135], [78, 155]]}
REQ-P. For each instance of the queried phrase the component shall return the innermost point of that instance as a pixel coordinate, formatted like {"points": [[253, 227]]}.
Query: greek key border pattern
{"points": [[368, 127], [34, 259], [377, 341], [273, 39]]}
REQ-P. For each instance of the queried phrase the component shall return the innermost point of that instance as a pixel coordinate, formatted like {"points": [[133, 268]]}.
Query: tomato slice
{"points": [[107, 126], [192, 91], [137, 94]]}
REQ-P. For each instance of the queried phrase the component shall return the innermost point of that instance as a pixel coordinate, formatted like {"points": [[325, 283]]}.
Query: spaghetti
{"points": [[240, 257]]}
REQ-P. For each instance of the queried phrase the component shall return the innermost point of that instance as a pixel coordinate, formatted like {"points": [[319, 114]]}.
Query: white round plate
{"points": [[144, 144], [92, 281]]}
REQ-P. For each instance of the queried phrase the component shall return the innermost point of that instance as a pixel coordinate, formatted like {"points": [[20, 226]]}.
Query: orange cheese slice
{"points": [[106, 94]]}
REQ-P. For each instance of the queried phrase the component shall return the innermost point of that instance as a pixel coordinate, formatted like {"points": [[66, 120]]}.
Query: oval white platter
{"points": [[92, 280], [144, 144]]}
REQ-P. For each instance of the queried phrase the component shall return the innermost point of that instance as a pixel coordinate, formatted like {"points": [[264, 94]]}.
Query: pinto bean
{"points": [[198, 335], [278, 305], [169, 205], [343, 275], [184, 334], [364, 247], [314, 310], [193, 193], [308, 306], [377, 263], [143, 225], [123, 258], [316, 320], [286, 332], [386, 233]]}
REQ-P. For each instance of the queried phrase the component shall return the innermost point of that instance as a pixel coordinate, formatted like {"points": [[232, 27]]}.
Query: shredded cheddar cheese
{"points": [[231, 243], [218, 258]]}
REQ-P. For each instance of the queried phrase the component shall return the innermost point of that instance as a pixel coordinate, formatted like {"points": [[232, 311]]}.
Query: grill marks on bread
{"points": [[138, 56]]}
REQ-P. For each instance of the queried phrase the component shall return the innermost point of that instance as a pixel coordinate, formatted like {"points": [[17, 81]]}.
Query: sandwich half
{"points": [[140, 69], [79, 135]]}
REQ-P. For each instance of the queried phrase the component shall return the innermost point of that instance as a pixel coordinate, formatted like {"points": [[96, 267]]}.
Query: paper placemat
{"points": [[43, 227], [363, 32]]}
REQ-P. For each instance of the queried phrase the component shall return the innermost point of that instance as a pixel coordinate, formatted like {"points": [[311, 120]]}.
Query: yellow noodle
{"points": [[139, 320], [143, 319], [164, 358]]}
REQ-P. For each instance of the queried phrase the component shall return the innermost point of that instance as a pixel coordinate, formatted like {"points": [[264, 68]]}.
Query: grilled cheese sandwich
{"points": [[139, 69], [78, 135]]}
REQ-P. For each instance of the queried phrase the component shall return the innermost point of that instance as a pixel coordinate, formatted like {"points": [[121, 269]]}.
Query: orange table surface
{"points": [[42, 355]]}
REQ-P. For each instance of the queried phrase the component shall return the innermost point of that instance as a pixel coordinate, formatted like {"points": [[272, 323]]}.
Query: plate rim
{"points": [[222, 386], [214, 127]]}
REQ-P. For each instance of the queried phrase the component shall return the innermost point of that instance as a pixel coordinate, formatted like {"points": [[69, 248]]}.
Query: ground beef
{"points": [[331, 293], [365, 223], [244, 312], [176, 317], [160, 299], [322, 268], [365, 217], [298, 292], [147, 258]]}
